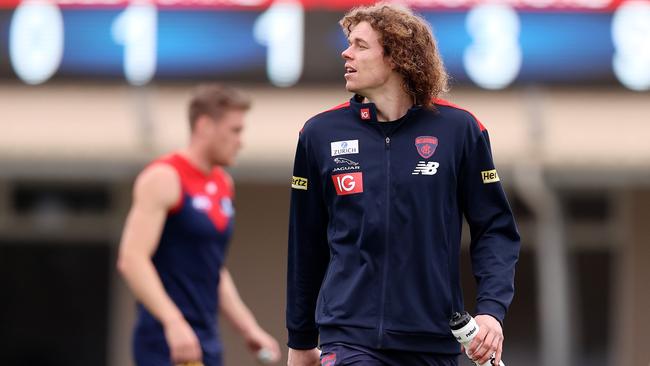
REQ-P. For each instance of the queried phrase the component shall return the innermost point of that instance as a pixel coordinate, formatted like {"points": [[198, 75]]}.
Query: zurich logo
{"points": [[346, 147]]}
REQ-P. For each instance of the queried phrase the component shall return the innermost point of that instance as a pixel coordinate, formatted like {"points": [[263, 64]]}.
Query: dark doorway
{"points": [[54, 303]]}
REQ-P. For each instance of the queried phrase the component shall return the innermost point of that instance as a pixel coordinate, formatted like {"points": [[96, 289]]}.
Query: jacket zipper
{"points": [[385, 269]]}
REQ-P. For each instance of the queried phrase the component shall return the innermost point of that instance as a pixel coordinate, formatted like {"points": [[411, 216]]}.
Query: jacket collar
{"points": [[367, 112]]}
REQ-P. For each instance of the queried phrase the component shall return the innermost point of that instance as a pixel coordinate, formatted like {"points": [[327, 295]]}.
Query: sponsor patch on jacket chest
{"points": [[345, 165], [344, 147], [348, 183]]}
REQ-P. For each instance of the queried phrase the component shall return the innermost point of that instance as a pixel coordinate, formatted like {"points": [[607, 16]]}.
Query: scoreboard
{"points": [[491, 44]]}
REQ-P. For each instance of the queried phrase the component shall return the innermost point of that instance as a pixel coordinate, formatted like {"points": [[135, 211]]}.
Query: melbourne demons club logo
{"points": [[349, 183], [328, 360], [426, 145]]}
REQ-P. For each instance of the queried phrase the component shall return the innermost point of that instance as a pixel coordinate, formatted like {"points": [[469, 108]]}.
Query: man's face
{"points": [[366, 67], [224, 135]]}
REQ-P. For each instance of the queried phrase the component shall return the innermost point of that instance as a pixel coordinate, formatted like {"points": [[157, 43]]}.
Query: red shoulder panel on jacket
{"points": [[340, 106], [449, 104]]}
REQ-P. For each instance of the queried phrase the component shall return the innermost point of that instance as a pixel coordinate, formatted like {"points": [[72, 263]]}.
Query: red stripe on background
{"points": [[340, 5], [161, 4]]}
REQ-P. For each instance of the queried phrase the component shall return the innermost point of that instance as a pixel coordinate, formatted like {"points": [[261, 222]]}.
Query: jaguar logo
{"points": [[345, 161]]}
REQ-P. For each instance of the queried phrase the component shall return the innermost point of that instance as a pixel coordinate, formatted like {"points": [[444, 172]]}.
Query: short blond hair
{"points": [[215, 100]]}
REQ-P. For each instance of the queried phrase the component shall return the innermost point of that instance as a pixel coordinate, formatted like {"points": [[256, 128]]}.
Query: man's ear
{"points": [[390, 61], [202, 122]]}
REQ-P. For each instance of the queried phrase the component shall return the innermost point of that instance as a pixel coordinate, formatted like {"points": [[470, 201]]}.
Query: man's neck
{"points": [[391, 103], [196, 156]]}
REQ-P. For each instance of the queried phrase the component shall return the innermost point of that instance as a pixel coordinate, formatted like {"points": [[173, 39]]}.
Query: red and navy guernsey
{"points": [[375, 228], [188, 260]]}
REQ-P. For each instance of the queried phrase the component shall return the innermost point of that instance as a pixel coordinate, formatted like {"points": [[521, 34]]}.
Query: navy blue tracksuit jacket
{"points": [[375, 228]]}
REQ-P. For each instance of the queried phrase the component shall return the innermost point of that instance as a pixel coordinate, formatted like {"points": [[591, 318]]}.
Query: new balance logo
{"points": [[426, 168]]}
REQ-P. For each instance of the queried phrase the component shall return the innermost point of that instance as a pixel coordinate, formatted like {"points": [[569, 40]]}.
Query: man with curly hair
{"points": [[380, 186]]}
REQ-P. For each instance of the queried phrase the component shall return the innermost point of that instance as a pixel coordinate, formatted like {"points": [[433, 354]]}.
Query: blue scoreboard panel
{"points": [[285, 42]]}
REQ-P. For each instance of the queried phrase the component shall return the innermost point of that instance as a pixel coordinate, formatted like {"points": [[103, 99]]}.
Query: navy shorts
{"points": [[341, 354], [153, 352]]}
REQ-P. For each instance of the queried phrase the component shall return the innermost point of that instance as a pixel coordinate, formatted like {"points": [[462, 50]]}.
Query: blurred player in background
{"points": [[175, 240], [379, 190]]}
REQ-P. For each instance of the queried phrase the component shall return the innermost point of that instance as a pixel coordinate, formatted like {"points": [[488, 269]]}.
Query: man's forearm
{"points": [[142, 277], [233, 307]]}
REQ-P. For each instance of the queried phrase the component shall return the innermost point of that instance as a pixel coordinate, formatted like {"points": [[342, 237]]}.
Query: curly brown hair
{"points": [[408, 41]]}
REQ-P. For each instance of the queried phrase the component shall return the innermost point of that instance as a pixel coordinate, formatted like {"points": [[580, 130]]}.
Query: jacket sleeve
{"points": [[308, 254], [495, 241]]}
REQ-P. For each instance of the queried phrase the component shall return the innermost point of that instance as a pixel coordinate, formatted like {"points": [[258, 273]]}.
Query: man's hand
{"points": [[488, 341], [310, 357], [183, 343], [258, 339]]}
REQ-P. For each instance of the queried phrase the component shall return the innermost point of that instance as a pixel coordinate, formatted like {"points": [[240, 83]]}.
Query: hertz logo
{"points": [[490, 176], [299, 183]]}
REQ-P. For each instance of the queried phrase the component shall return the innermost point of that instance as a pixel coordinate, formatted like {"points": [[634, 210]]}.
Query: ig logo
{"points": [[350, 183]]}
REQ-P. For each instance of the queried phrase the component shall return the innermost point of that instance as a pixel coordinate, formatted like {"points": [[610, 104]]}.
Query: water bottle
{"points": [[465, 328]]}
